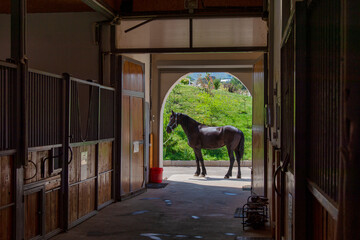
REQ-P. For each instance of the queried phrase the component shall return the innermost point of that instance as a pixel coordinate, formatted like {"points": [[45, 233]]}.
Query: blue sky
{"points": [[219, 75]]}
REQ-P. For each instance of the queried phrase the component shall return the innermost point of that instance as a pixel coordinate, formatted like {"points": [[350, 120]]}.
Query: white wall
{"points": [[58, 42]]}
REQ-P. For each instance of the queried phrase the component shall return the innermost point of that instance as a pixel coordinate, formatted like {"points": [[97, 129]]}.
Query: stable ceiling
{"points": [[143, 7]]}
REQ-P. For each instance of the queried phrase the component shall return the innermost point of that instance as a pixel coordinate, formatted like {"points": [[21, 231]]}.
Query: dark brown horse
{"points": [[201, 136]]}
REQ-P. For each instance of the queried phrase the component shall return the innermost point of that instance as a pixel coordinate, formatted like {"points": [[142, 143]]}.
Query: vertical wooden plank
{"points": [[92, 161], [32, 217], [86, 197], [331, 226], [6, 223], [6, 180], [73, 203], [49, 213], [74, 166], [105, 186], [100, 188], [52, 211], [125, 146], [125, 76], [84, 194], [137, 161], [105, 156]]}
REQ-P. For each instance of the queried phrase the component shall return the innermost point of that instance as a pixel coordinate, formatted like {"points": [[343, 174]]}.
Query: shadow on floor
{"points": [[185, 209]]}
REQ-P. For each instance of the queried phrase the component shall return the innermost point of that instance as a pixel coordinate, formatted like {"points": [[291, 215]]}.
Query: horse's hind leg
{"points": [[237, 153], [232, 160], [197, 173], [201, 160]]}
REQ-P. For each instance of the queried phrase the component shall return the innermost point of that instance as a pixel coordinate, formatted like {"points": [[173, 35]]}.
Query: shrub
{"points": [[185, 81], [217, 84]]}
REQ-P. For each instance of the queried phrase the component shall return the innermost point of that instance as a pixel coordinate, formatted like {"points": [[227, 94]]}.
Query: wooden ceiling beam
{"points": [[102, 7]]}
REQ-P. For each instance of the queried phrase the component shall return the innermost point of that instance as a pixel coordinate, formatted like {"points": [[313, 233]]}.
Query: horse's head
{"points": [[173, 122]]}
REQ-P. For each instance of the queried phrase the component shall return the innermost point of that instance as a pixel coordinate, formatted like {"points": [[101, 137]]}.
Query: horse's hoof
{"points": [[238, 176], [202, 175], [226, 177], [196, 174]]}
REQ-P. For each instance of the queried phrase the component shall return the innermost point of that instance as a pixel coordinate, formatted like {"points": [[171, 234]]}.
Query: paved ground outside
{"points": [[188, 207]]}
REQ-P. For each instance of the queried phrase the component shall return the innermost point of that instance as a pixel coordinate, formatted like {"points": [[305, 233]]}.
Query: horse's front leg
{"points": [[232, 160], [197, 173], [201, 160]]}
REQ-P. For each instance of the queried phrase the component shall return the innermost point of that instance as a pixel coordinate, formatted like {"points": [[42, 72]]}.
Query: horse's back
{"points": [[232, 136], [216, 137]]}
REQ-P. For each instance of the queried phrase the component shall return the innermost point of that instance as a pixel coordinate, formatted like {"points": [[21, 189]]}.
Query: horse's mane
{"points": [[189, 120]]}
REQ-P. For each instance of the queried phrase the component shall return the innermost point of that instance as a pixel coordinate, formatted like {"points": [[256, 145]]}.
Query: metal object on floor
{"points": [[254, 213]]}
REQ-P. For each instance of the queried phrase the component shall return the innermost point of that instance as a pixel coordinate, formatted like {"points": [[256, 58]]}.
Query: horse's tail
{"points": [[241, 144]]}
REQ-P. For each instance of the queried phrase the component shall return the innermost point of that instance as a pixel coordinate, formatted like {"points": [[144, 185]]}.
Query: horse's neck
{"points": [[188, 124]]}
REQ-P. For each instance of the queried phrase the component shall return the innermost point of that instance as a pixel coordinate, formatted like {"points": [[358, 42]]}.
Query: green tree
{"points": [[216, 84]]}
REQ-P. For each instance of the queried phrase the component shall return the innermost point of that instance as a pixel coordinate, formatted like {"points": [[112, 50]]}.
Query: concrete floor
{"points": [[187, 208]]}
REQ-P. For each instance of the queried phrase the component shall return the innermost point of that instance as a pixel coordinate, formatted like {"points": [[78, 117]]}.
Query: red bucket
{"points": [[156, 175]]}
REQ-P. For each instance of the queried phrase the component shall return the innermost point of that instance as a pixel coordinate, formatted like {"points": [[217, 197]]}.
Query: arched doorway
{"points": [[231, 97]]}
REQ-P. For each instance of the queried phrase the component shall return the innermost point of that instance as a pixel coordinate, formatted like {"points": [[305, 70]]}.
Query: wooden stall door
{"points": [[258, 129], [132, 127], [34, 215], [6, 197]]}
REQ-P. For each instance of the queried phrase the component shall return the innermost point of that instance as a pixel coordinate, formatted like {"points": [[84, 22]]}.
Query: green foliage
{"points": [[235, 86], [185, 81], [217, 108], [216, 84]]}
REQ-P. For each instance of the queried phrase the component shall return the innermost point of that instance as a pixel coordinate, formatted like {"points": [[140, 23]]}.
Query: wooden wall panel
{"points": [[6, 223], [82, 195], [32, 216], [105, 186], [88, 166], [73, 203], [137, 163], [52, 211], [81, 170], [105, 156], [6, 180], [33, 173], [74, 166], [137, 117], [125, 146], [86, 197], [30, 169], [133, 77], [321, 225]]}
